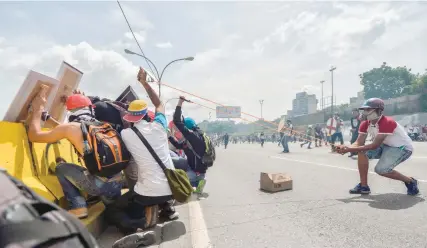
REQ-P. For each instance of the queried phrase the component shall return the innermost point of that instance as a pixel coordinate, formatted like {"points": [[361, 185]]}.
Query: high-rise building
{"points": [[304, 104]]}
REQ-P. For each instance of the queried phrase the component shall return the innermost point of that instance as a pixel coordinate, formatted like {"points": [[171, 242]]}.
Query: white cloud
{"points": [[164, 45], [140, 36]]}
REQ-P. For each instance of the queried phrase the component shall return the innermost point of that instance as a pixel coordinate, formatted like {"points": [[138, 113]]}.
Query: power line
{"points": [[136, 40]]}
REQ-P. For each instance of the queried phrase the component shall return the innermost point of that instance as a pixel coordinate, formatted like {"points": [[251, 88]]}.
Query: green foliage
{"points": [[387, 82]]}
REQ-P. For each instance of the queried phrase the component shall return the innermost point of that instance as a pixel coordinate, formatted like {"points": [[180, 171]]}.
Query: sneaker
{"points": [[168, 211], [412, 187], [80, 213], [151, 216], [359, 189], [136, 239], [200, 186]]}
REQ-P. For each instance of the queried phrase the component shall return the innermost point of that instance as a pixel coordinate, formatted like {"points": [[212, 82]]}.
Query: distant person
{"points": [[287, 136], [355, 121], [391, 146], [308, 137], [226, 139], [318, 135], [262, 138], [338, 132]]}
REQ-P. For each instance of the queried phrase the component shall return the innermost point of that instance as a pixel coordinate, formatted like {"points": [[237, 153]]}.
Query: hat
{"points": [[373, 103], [77, 101], [189, 123], [136, 111]]}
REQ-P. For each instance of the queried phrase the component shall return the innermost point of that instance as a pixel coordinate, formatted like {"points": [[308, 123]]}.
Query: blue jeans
{"points": [[74, 178], [285, 141], [389, 157], [195, 177], [335, 136]]}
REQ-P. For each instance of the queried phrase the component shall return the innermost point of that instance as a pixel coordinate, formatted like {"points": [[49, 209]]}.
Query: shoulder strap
{"points": [[150, 149]]}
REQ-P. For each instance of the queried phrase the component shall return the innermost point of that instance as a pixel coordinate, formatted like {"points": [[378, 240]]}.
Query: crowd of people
{"points": [[121, 146]]}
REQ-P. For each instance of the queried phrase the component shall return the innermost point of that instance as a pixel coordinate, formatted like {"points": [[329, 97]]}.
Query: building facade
{"points": [[304, 104]]}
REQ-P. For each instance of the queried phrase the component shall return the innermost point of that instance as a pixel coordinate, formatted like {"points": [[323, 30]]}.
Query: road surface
{"points": [[318, 212]]}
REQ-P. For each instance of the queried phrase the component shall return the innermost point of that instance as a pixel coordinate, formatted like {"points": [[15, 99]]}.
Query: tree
{"points": [[386, 82]]}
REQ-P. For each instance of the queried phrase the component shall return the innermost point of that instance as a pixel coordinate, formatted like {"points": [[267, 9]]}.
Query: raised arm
{"points": [[35, 132], [142, 78]]}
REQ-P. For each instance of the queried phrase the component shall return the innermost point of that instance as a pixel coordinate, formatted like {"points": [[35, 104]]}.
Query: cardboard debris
{"points": [[274, 182]]}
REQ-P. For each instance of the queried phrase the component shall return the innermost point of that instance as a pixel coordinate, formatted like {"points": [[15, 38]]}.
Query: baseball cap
{"points": [[136, 111]]}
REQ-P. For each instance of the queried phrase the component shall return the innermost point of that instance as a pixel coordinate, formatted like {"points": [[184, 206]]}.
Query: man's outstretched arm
{"points": [[142, 78]]}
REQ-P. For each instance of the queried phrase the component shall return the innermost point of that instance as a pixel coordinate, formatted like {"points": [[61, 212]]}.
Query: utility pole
{"points": [[332, 83], [321, 101], [261, 102]]}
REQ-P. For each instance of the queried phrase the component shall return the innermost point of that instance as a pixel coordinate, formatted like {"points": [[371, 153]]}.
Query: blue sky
{"points": [[244, 51]]}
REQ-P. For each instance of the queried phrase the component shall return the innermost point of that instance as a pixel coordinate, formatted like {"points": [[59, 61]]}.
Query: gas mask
{"points": [[371, 115]]}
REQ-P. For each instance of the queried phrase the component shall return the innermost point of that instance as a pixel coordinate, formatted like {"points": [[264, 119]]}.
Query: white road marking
{"points": [[331, 166], [199, 232], [419, 157]]}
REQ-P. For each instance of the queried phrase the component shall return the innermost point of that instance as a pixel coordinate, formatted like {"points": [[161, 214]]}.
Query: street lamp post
{"points": [[159, 76], [332, 83], [261, 102], [321, 102]]}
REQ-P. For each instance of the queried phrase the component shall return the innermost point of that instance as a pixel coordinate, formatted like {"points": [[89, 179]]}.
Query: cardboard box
{"points": [[274, 182]]}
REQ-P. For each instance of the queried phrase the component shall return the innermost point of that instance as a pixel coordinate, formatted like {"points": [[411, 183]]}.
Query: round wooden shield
{"points": [[331, 126], [281, 125], [175, 132]]}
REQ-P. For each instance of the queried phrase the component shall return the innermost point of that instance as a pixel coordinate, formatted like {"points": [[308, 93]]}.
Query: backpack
{"points": [[209, 156], [104, 153], [27, 220]]}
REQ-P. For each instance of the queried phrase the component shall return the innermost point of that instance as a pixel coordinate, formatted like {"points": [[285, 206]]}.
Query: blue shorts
{"points": [[389, 157]]}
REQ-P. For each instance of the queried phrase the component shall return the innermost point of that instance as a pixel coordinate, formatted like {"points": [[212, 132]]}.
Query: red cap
{"points": [[77, 101]]}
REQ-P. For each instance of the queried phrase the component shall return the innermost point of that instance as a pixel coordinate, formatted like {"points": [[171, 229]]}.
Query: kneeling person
{"points": [[152, 188], [194, 147], [72, 177], [391, 146]]}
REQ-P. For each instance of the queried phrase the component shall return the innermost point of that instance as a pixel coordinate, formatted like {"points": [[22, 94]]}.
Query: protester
{"points": [[287, 136], [338, 132], [355, 124], [308, 137], [226, 139], [318, 135], [262, 139], [72, 177], [152, 190], [391, 146], [193, 146]]}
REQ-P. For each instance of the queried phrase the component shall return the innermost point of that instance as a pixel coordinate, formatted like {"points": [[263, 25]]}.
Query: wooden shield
{"points": [[281, 125], [175, 132], [331, 126]]}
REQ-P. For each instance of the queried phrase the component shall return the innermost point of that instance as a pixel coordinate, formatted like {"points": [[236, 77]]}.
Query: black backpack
{"points": [[27, 220]]}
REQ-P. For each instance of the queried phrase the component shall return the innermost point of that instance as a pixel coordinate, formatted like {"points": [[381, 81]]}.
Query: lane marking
{"points": [[419, 157], [331, 166], [198, 229]]}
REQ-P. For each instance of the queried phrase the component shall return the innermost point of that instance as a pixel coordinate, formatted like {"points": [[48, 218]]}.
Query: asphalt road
{"points": [[318, 212]]}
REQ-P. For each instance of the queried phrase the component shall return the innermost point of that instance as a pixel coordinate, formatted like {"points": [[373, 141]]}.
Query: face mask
{"points": [[371, 115]]}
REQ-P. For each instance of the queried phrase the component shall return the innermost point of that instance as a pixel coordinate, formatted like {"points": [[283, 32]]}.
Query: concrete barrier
{"points": [[34, 163]]}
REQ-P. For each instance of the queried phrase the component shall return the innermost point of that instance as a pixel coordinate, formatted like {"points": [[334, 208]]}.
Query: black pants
{"points": [[128, 212]]}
